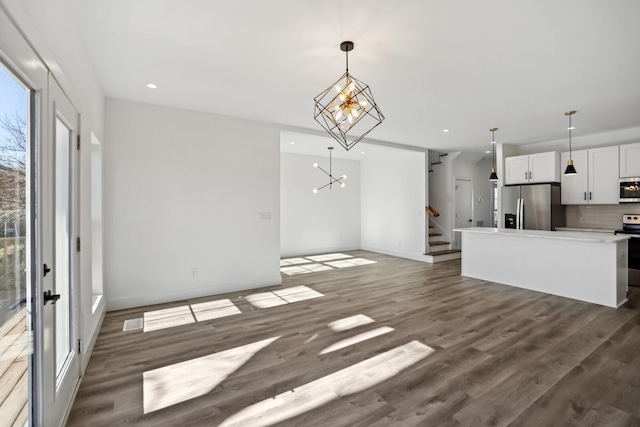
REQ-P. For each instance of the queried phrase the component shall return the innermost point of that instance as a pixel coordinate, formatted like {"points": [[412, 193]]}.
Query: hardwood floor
{"points": [[454, 351]]}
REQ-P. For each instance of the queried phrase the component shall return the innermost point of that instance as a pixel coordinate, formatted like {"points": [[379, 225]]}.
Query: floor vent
{"points": [[132, 325]]}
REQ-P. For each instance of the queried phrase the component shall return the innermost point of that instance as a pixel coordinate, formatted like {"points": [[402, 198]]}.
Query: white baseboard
{"points": [[402, 254], [181, 294], [316, 251]]}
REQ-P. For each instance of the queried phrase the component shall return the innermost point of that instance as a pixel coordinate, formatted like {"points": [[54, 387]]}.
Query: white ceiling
{"points": [[432, 65]]}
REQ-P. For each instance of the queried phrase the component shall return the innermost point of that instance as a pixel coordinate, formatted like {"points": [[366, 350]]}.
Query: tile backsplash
{"points": [[599, 216]]}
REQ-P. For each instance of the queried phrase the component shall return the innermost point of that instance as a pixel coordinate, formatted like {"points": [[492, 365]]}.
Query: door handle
{"points": [[530, 175], [51, 297], [46, 270], [585, 195], [590, 195], [525, 174], [470, 220]]}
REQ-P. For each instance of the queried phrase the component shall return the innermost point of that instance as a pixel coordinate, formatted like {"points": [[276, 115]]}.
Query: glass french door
{"points": [[16, 250], [60, 359]]}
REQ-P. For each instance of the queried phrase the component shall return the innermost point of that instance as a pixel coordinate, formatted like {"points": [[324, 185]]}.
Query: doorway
{"points": [[463, 207]]}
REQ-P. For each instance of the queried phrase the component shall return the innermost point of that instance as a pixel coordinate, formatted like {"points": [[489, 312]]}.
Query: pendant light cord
{"points": [[493, 142], [347, 61], [570, 137]]}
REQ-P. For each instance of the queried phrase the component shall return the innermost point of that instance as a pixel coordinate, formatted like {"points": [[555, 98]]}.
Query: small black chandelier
{"points": [[571, 170], [347, 106], [332, 180], [494, 176]]}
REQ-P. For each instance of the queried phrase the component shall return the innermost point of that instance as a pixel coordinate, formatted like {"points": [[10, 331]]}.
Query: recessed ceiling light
{"points": [[152, 86], [571, 128], [362, 152], [293, 143], [445, 130], [488, 151]]}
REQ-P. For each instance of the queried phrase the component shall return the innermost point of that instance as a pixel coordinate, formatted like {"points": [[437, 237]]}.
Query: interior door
{"points": [[61, 366], [463, 206]]}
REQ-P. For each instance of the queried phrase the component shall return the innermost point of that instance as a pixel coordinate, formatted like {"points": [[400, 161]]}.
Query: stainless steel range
{"points": [[631, 226]]}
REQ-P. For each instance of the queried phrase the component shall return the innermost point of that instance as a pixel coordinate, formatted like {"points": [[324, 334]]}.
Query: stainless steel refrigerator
{"points": [[532, 207]]}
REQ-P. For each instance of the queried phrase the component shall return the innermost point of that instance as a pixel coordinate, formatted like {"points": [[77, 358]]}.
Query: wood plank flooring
{"points": [[14, 351], [461, 352]]}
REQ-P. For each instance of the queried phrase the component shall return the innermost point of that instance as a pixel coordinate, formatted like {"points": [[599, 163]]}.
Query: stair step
{"points": [[434, 234], [449, 251], [438, 243]]}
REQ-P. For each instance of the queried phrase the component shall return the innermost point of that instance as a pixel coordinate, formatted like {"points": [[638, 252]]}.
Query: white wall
{"points": [[183, 190], [393, 203], [324, 222]]}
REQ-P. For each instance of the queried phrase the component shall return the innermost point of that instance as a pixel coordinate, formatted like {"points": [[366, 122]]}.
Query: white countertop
{"points": [[562, 235]]}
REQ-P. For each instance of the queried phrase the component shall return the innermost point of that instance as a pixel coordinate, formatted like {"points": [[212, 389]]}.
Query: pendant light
{"points": [[494, 176], [571, 170], [347, 107], [332, 179]]}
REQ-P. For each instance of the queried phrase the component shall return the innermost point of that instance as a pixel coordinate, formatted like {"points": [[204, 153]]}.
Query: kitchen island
{"points": [[590, 267]]}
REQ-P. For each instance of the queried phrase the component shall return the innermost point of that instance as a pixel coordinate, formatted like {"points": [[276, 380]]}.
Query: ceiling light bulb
{"points": [[293, 143], [152, 86], [315, 190], [362, 152], [315, 165], [344, 176], [493, 142], [488, 151], [571, 128], [445, 130], [342, 185]]}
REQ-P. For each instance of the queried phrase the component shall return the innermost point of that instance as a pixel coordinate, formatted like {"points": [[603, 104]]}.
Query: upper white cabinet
{"points": [[630, 160], [597, 179], [532, 168]]}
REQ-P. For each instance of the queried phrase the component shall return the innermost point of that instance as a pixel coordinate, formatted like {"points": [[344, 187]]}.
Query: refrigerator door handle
{"points": [[518, 214], [521, 214]]}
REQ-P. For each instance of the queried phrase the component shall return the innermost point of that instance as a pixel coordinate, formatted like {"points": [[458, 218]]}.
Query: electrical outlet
{"points": [[194, 272]]}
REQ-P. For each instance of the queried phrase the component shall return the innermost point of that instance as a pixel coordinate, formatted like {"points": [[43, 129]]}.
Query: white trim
{"points": [[408, 255], [318, 251], [182, 294]]}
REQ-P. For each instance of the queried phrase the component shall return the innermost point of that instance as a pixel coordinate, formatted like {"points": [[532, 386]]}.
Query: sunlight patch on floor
{"points": [[328, 257], [265, 300], [315, 263], [282, 296], [357, 339], [173, 384], [167, 318], [353, 379], [350, 322]]}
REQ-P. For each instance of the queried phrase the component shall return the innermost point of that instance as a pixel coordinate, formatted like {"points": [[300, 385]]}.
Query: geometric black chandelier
{"points": [[332, 180], [494, 176], [571, 170], [347, 107]]}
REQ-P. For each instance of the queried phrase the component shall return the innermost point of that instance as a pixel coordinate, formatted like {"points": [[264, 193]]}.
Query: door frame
{"points": [[57, 397]]}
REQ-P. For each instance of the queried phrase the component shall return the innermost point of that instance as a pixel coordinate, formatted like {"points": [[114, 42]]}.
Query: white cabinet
{"points": [[597, 179], [532, 168], [630, 160]]}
